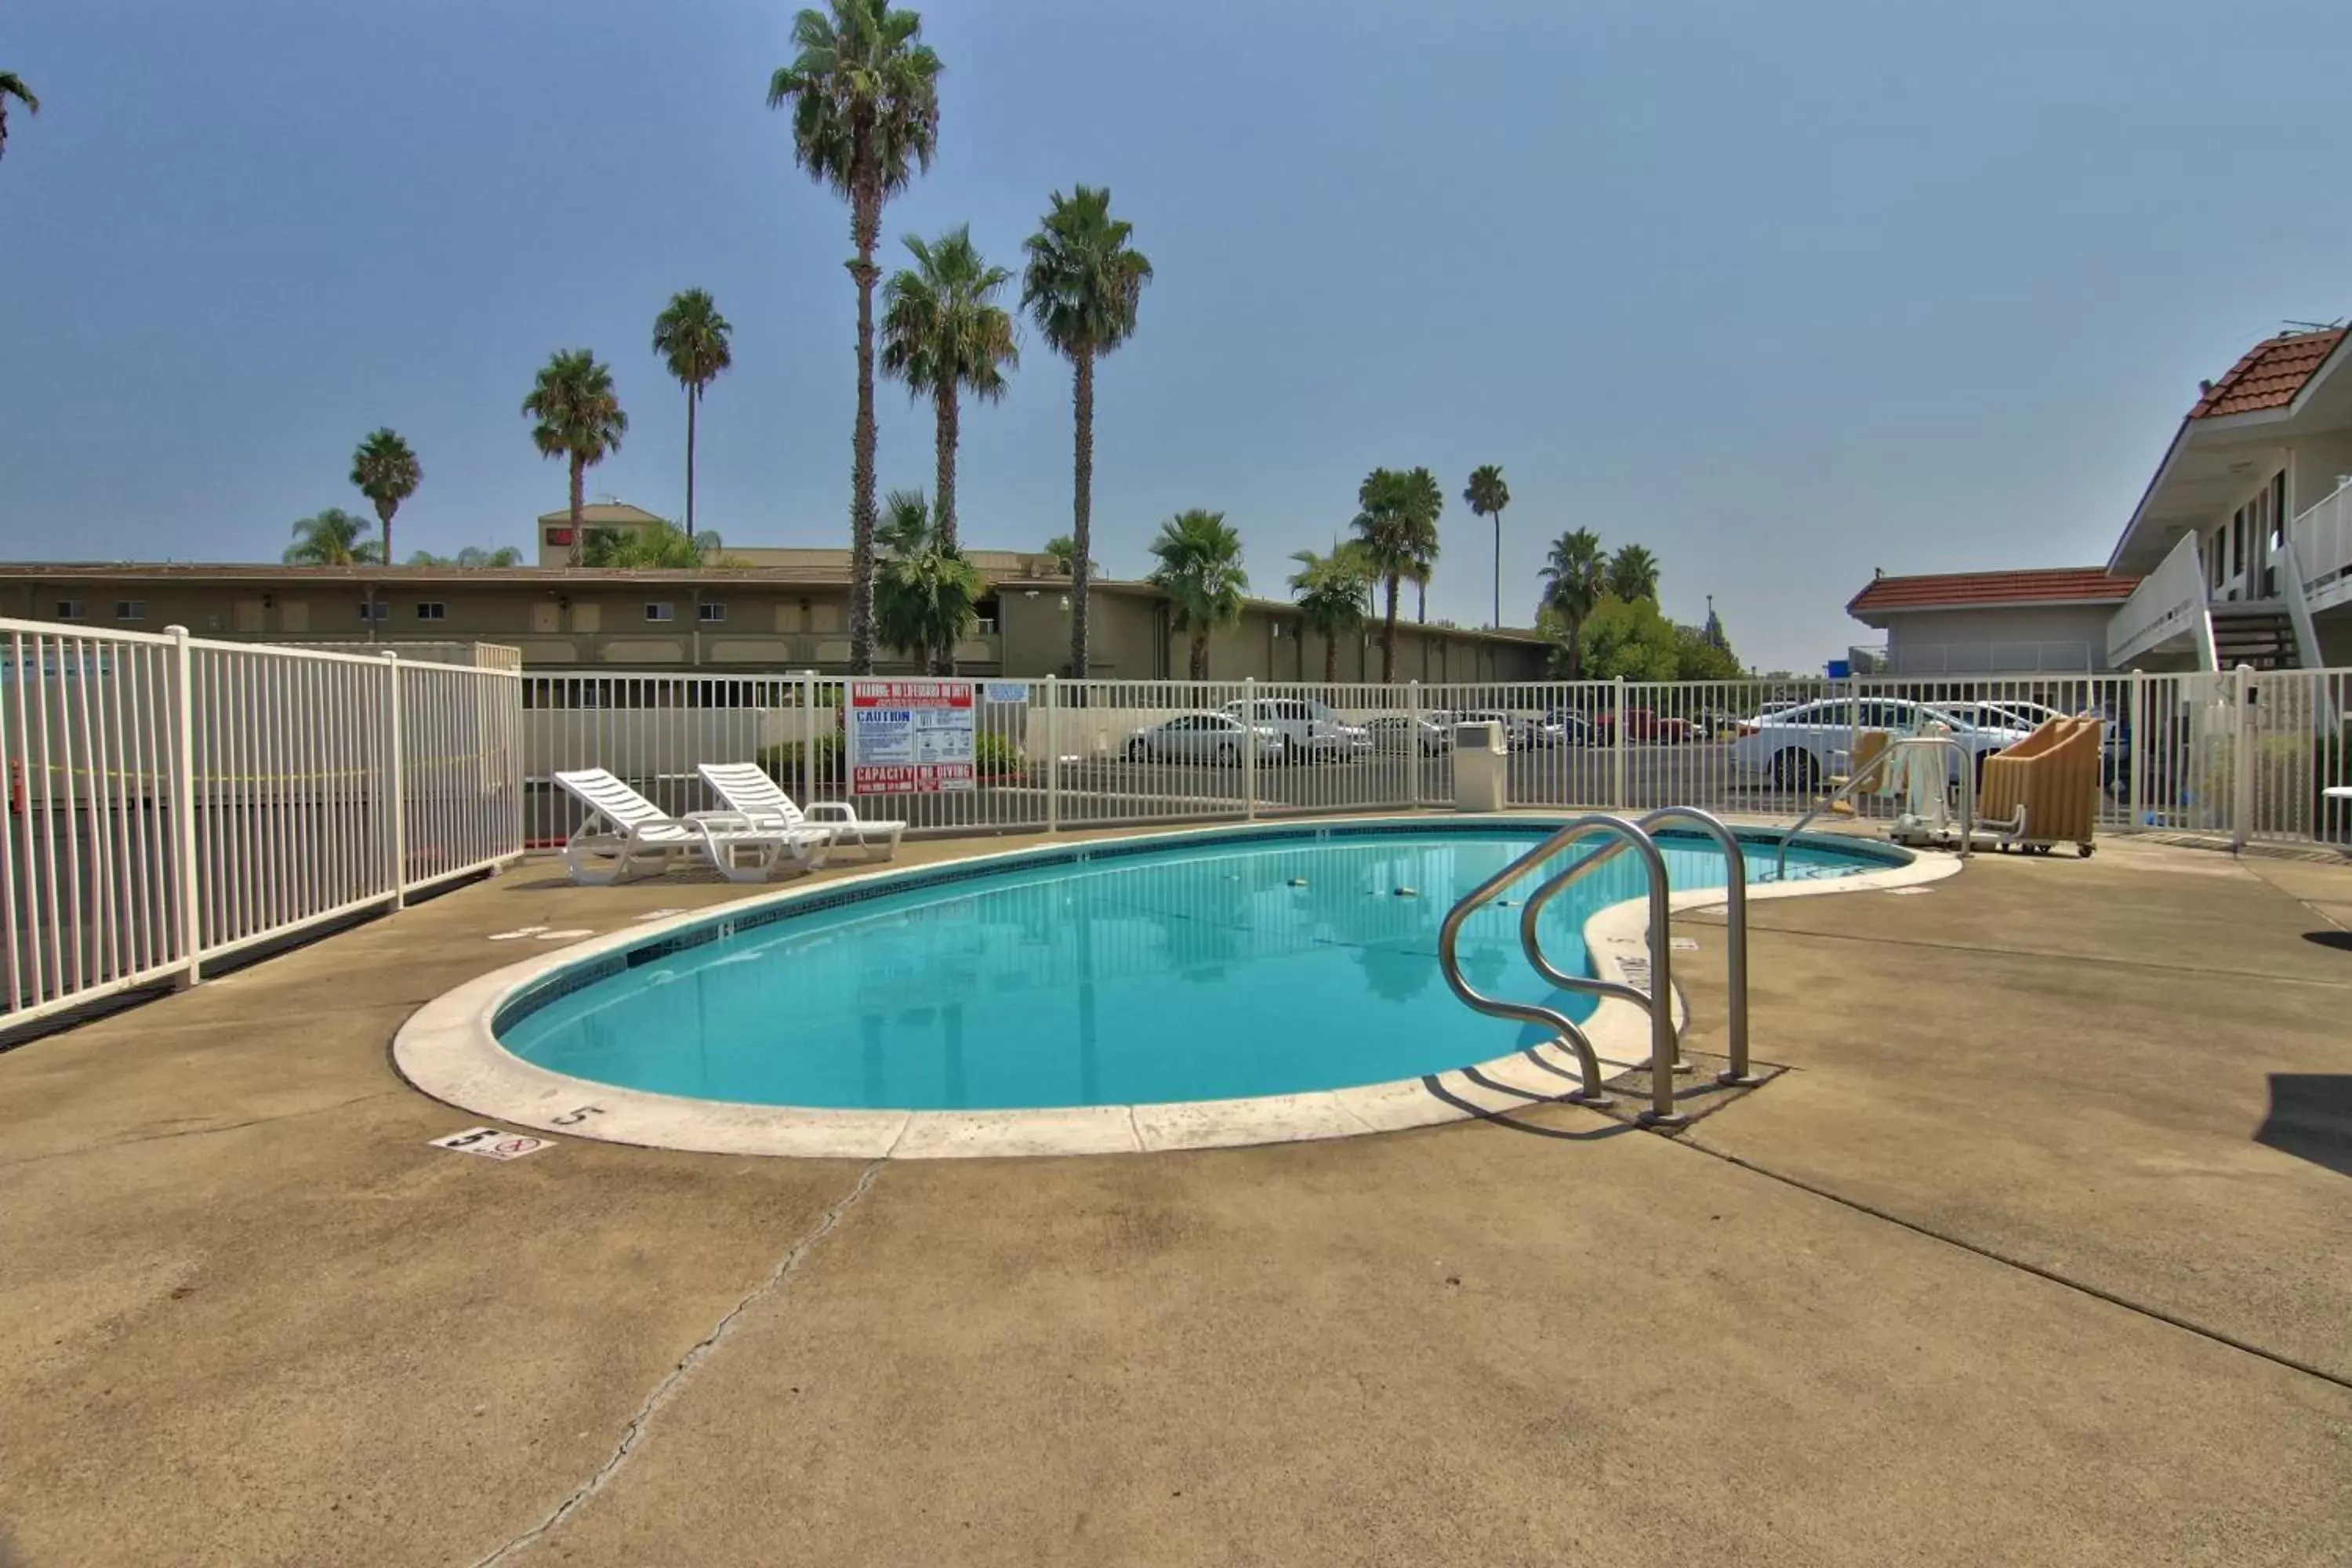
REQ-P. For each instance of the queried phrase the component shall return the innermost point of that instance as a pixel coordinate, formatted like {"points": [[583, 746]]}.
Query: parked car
{"points": [[1204, 738], [1395, 733], [1313, 731], [1519, 734], [1569, 728], [1645, 727], [1799, 748]]}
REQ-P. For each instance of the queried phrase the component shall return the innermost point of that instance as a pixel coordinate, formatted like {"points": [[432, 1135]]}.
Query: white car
{"points": [[1394, 731], [1800, 746], [1204, 738], [1313, 731]]}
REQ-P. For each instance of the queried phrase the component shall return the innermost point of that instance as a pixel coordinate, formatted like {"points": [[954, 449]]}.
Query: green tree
{"points": [[387, 473], [864, 94], [943, 334], [927, 595], [693, 339], [579, 419], [1200, 572], [1334, 593], [1063, 552], [1628, 641], [1699, 657], [1388, 544], [1573, 580], [13, 86], [334, 538], [473, 558], [652, 546], [1425, 500], [1082, 286], [1633, 574], [1488, 495]]}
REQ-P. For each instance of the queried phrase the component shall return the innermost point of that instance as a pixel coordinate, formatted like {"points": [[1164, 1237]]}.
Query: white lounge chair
{"points": [[750, 792], [624, 834]]}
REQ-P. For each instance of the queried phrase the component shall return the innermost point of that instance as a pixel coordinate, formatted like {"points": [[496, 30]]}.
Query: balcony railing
{"points": [[2168, 604], [2322, 537]]}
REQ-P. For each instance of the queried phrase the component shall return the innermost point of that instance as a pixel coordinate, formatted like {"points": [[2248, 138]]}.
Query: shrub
{"points": [[782, 762]]}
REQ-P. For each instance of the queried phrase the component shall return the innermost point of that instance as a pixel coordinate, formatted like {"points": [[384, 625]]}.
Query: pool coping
{"points": [[449, 1049]]}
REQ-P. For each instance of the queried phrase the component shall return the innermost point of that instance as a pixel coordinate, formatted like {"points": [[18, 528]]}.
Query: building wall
{"points": [[2316, 462], [2004, 638]]}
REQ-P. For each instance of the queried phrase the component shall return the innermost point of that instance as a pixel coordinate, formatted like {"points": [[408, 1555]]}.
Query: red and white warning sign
{"points": [[910, 737], [492, 1143]]}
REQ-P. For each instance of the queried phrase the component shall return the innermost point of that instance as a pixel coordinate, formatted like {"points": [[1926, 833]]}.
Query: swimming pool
{"points": [[1205, 967]]}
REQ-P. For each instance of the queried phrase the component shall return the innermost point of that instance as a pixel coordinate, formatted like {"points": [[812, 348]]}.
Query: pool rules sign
{"points": [[910, 737]]}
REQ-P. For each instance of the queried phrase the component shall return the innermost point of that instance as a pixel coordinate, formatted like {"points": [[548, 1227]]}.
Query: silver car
{"points": [[1315, 731], [1395, 733], [1204, 738]]}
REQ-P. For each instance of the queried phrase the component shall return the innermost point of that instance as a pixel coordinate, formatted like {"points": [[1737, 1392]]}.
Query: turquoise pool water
{"points": [[1261, 964]]}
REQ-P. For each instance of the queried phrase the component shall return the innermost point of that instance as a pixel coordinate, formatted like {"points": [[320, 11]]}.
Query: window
{"points": [[73, 609], [560, 537], [659, 610], [373, 611], [713, 610], [130, 609], [432, 610]]}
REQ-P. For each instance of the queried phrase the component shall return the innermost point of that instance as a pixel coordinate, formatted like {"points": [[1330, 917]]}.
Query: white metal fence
{"points": [[172, 799], [2241, 755]]}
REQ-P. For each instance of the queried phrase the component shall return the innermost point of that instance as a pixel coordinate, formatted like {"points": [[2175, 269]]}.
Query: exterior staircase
{"points": [[2259, 634]]}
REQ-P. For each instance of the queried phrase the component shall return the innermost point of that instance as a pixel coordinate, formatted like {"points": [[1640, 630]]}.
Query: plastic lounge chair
{"points": [[750, 792], [624, 834], [2044, 790]]}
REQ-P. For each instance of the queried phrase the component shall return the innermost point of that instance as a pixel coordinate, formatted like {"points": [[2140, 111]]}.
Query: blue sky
{"points": [[1784, 293]]}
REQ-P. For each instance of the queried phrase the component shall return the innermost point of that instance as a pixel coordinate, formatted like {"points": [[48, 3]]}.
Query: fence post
{"points": [[2241, 760], [1411, 742], [1249, 749], [2135, 715], [1617, 791], [188, 912], [1052, 755], [394, 786]]}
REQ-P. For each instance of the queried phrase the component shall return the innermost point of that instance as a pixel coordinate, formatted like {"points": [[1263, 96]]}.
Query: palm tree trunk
{"points": [[1330, 657], [579, 488], [1388, 636], [1082, 501], [1575, 647], [383, 517], [1420, 602], [1498, 569], [944, 513], [693, 397], [1200, 656], [866, 224]]}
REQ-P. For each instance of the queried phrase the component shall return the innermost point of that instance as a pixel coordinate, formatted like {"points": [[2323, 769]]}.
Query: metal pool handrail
{"points": [[1662, 1052], [1885, 759], [1735, 920]]}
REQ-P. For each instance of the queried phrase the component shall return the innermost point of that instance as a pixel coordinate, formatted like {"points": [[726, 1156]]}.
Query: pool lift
{"points": [[1915, 765], [1657, 998]]}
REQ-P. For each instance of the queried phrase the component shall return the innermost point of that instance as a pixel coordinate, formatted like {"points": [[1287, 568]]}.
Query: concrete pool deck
{"points": [[2034, 1255]]}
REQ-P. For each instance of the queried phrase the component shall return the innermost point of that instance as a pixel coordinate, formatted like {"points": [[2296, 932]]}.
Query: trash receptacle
{"points": [[1482, 768]]}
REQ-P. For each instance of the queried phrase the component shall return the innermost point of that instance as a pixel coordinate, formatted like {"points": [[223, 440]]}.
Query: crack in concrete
{"points": [[198, 1132], [634, 1431]]}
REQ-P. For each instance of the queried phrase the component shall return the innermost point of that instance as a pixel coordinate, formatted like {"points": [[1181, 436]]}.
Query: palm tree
{"points": [[691, 336], [334, 538], [1487, 496], [864, 93], [387, 472], [580, 419], [1390, 542], [1425, 500], [1063, 552], [1574, 578], [473, 558], [1634, 574], [1200, 572], [942, 332], [13, 86], [1334, 593], [1082, 286], [927, 595], [651, 546]]}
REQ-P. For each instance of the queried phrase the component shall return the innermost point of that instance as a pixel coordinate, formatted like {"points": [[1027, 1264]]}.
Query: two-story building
{"points": [[2240, 551], [765, 618]]}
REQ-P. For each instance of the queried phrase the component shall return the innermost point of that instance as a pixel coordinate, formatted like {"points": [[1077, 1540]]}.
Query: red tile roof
{"points": [[1967, 590], [2269, 376]]}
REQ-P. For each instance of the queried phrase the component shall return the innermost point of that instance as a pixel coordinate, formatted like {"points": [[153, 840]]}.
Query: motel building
{"points": [[768, 611], [2240, 551]]}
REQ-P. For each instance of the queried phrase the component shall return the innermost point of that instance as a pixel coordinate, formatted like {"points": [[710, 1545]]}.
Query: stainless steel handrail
{"points": [[1735, 924], [1885, 759], [1449, 935]]}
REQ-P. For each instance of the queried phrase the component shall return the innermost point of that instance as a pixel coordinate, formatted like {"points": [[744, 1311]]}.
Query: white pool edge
{"points": [[446, 1049]]}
